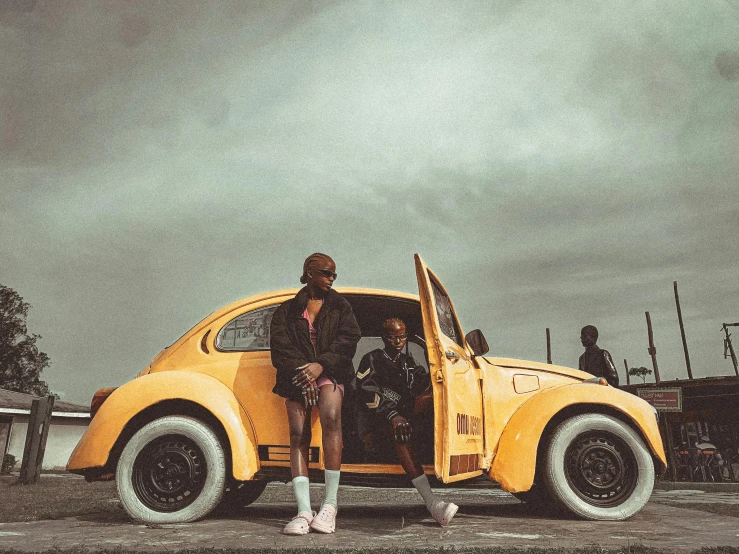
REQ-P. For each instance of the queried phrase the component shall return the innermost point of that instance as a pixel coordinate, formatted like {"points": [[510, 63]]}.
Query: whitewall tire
{"points": [[598, 468], [173, 470]]}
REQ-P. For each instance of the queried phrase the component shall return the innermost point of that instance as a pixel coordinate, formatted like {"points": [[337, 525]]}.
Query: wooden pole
{"points": [[549, 348], [652, 350], [670, 450], [38, 429], [626, 367], [682, 331], [727, 344]]}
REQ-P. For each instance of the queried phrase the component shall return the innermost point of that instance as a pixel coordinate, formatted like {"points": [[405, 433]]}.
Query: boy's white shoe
{"points": [[443, 512], [300, 524], [325, 520]]}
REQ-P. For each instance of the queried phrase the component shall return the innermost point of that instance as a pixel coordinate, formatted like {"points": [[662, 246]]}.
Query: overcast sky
{"points": [[556, 163]]}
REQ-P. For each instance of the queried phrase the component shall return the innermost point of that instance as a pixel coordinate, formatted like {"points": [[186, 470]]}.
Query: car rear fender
{"points": [[514, 465], [143, 394]]}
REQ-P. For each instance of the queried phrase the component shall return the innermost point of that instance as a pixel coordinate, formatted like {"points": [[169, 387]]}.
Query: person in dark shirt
{"points": [[595, 360], [388, 382]]}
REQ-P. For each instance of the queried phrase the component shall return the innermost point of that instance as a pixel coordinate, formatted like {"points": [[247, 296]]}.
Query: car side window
{"points": [[247, 332], [447, 322]]}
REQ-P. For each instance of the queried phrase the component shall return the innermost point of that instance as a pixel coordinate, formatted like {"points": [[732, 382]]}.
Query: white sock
{"points": [[301, 488], [331, 476], [424, 488]]}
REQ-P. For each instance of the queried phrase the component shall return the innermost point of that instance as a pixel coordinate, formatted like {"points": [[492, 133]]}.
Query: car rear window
{"points": [[249, 331]]}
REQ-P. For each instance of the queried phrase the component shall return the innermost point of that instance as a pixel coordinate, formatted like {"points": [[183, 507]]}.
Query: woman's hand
{"points": [[305, 378], [310, 394], [401, 428], [307, 373]]}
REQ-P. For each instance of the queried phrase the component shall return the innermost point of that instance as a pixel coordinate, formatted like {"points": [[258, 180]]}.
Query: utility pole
{"points": [[728, 347], [652, 350], [549, 348], [682, 331], [626, 367]]}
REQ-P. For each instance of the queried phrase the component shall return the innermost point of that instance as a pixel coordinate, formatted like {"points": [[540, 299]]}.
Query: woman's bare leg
{"points": [[329, 409], [298, 418]]}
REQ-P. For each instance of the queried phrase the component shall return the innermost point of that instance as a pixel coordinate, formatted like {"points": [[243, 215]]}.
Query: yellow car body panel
{"points": [[514, 464], [505, 389], [127, 401]]}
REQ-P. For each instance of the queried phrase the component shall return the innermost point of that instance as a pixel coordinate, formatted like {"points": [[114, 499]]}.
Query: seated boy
{"points": [[388, 381]]}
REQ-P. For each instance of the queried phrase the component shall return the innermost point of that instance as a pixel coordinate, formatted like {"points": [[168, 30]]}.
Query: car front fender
{"points": [[95, 446], [514, 465]]}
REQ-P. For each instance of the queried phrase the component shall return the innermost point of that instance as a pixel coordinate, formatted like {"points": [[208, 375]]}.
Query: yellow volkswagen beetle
{"points": [[200, 425]]}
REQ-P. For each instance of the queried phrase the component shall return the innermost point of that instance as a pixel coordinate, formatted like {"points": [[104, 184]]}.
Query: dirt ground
{"points": [[396, 518]]}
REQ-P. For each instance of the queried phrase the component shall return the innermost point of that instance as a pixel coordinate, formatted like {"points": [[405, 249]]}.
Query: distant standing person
{"points": [[596, 360]]}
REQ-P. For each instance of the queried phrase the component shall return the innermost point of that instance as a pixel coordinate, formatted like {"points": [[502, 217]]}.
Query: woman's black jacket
{"points": [[337, 335]]}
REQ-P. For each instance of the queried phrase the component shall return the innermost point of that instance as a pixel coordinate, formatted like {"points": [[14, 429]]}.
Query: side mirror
{"points": [[477, 342]]}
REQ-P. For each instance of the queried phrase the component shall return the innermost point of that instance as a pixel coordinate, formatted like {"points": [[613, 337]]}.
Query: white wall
{"points": [[64, 434]]}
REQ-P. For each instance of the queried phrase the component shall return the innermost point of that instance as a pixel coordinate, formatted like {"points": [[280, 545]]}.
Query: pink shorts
{"points": [[323, 380]]}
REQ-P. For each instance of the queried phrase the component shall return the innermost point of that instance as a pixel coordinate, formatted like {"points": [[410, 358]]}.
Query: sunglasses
{"points": [[327, 273], [394, 338]]}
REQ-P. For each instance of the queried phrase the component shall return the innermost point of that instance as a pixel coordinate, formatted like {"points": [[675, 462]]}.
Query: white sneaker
{"points": [[325, 520], [443, 512], [300, 524]]}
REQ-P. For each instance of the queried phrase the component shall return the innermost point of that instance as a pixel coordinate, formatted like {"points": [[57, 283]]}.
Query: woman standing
{"points": [[313, 338]]}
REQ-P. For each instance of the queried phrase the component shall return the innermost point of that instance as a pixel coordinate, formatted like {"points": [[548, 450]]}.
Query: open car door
{"points": [[455, 380]]}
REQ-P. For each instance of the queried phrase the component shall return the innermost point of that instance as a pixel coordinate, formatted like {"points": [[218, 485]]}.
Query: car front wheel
{"points": [[598, 468], [173, 470]]}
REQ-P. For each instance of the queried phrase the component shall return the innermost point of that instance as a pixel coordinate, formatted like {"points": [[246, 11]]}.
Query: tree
{"points": [[640, 372], [21, 362]]}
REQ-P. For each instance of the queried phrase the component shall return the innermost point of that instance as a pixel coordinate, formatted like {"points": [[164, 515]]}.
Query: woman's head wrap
{"points": [[315, 261]]}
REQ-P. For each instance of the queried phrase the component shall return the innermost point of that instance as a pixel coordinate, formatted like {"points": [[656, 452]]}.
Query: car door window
{"points": [[447, 322], [247, 332]]}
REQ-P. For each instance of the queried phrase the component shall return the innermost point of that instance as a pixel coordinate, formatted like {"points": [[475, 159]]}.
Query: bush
{"points": [[8, 464]]}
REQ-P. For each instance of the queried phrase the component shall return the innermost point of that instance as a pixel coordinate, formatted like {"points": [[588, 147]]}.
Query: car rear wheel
{"points": [[598, 468], [173, 470]]}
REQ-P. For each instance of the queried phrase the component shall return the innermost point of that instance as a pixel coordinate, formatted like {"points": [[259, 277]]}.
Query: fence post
{"points": [[628, 377], [38, 430]]}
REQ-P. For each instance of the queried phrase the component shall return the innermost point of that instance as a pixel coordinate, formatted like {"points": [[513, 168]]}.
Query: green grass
{"points": [[731, 510], [55, 498]]}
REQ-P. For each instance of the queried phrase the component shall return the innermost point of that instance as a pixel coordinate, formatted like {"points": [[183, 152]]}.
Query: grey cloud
{"points": [[556, 164]]}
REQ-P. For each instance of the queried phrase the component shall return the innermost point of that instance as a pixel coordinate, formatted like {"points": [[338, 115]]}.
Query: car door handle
{"points": [[451, 355]]}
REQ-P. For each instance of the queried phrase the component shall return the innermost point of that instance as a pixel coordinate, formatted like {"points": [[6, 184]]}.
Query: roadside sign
{"points": [[665, 400]]}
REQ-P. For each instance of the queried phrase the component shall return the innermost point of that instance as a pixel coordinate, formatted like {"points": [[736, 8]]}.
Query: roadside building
{"points": [[699, 422], [68, 423]]}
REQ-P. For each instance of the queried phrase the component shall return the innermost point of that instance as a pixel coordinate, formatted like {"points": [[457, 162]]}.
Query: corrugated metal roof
{"points": [[22, 401]]}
